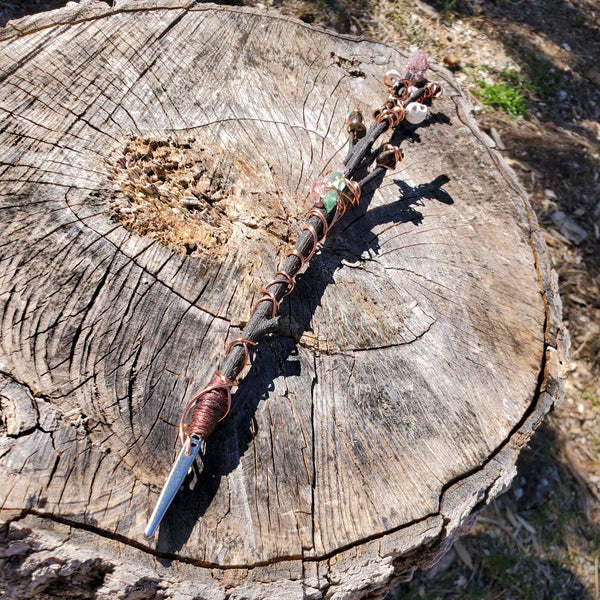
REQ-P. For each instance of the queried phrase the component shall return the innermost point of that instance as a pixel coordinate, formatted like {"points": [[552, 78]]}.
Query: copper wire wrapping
{"points": [[346, 201], [432, 90], [298, 255], [315, 212], [243, 342], [355, 189], [209, 406], [308, 227], [391, 111], [397, 154], [270, 296], [287, 278], [396, 84]]}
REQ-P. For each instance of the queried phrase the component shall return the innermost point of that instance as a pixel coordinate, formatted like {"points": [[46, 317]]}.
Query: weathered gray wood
{"points": [[420, 349]]}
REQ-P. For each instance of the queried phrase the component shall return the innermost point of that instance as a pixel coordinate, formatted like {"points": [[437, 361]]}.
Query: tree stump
{"points": [[157, 158]]}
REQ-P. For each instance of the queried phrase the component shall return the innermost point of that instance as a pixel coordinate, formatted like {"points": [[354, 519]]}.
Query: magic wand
{"points": [[332, 194]]}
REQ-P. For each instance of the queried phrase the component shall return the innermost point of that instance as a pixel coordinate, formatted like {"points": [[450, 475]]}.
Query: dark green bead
{"points": [[386, 159], [356, 126]]}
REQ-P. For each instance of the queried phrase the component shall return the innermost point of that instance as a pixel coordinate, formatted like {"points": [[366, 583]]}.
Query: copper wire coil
{"points": [[354, 185], [380, 111], [393, 81], [398, 156], [218, 382], [244, 342], [400, 112], [432, 90], [314, 212], [405, 85], [310, 254], [287, 279], [392, 111], [298, 255], [309, 227], [391, 78], [355, 189], [383, 108], [270, 296], [339, 212], [345, 200], [391, 102], [392, 115]]}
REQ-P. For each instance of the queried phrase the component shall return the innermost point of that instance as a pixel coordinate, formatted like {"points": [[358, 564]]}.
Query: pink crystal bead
{"points": [[318, 189], [416, 65]]}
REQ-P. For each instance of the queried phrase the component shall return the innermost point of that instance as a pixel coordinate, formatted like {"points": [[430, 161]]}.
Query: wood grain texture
{"points": [[420, 349]]}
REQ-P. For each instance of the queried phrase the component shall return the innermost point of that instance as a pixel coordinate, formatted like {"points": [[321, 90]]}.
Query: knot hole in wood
{"points": [[190, 196]]}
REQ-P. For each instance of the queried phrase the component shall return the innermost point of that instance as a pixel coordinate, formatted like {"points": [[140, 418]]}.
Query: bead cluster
{"points": [[334, 191], [407, 93], [406, 102]]}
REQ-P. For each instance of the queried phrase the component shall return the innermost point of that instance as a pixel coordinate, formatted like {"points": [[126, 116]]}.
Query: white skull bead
{"points": [[416, 113]]}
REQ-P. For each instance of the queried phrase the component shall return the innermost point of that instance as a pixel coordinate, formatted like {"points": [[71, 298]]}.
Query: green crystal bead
{"points": [[338, 180], [330, 201]]}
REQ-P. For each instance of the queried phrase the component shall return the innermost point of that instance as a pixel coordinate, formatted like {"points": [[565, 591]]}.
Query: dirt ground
{"points": [[541, 540]]}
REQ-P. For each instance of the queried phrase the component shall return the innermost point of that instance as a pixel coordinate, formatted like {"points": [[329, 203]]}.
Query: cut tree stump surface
{"points": [[156, 164]]}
